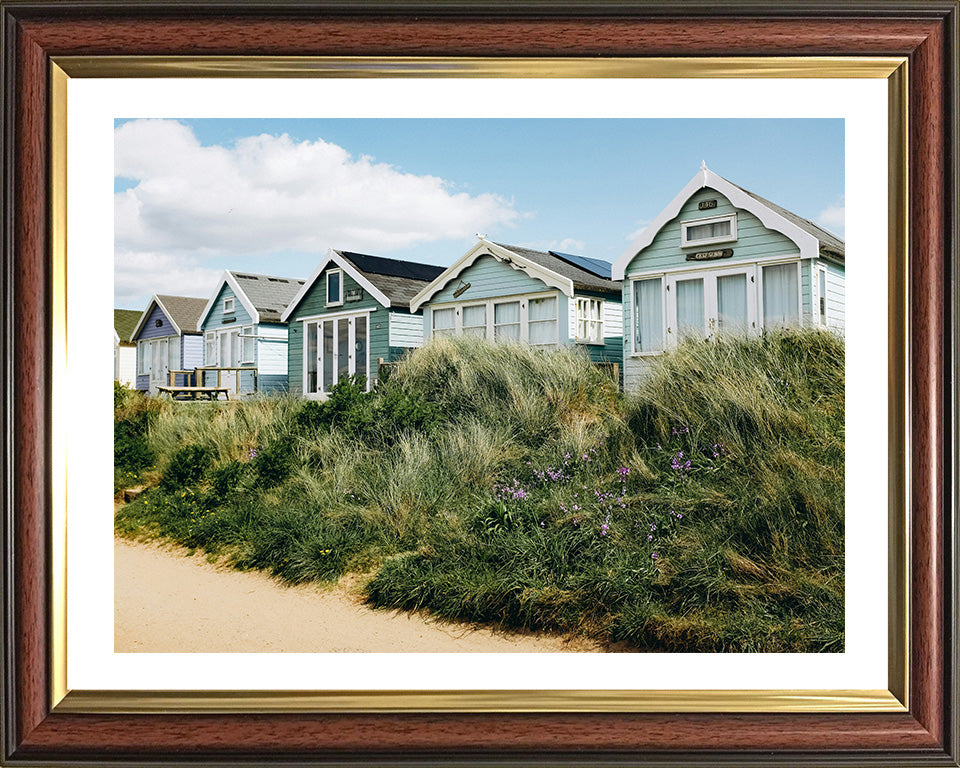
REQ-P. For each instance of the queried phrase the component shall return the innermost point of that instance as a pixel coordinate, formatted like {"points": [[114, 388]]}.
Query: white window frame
{"points": [[229, 305], [686, 242], [711, 310], [633, 315], [210, 340], [247, 335], [318, 320], [823, 315], [586, 302], [524, 300], [339, 272], [144, 357], [772, 263]]}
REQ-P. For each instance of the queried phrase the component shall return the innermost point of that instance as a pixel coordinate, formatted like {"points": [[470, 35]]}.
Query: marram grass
{"points": [[500, 484]]}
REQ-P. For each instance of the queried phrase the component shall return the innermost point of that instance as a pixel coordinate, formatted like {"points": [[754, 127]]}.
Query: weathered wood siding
{"points": [[313, 305]]}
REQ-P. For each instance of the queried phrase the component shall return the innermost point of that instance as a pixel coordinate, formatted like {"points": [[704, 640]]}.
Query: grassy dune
{"points": [[496, 483]]}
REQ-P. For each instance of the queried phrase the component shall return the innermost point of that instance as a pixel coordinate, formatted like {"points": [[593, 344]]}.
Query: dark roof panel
{"points": [[596, 266], [399, 281]]}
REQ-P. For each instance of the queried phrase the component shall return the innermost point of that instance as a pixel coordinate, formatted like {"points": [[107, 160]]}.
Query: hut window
{"points": [[590, 321], [506, 320], [210, 350], [648, 315], [334, 287], [144, 357], [781, 295], [542, 320], [444, 321], [248, 343], [822, 282], [229, 305], [475, 320], [718, 229]]}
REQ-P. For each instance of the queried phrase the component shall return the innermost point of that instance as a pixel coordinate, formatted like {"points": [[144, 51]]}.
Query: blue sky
{"points": [[195, 197]]}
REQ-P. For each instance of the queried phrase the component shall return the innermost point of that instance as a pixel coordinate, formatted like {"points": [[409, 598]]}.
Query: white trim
{"points": [[335, 315], [504, 255], [685, 242], [589, 320], [701, 266], [339, 274], [319, 320], [233, 305], [808, 244], [246, 333], [346, 266], [227, 278]]}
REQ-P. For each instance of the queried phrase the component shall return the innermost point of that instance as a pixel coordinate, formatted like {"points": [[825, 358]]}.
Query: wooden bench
{"points": [[193, 393]]}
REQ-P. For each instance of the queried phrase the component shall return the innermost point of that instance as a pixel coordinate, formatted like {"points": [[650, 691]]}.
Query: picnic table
{"points": [[193, 393]]}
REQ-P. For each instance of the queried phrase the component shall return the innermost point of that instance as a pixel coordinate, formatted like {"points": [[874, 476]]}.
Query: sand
{"points": [[166, 601]]}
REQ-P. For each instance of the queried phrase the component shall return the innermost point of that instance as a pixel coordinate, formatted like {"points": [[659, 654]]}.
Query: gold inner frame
{"points": [[895, 699]]}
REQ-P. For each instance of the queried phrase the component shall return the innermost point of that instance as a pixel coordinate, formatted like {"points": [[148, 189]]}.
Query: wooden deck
{"points": [[194, 393]]}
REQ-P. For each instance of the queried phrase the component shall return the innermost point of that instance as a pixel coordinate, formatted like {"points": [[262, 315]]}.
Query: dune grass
{"points": [[497, 483]]}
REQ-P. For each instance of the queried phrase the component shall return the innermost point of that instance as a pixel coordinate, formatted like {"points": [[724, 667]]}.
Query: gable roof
{"points": [[124, 323], [182, 311], [547, 266], [390, 281], [263, 296], [811, 239]]}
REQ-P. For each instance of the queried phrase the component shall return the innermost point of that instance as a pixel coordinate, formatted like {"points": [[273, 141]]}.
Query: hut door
{"points": [[158, 365]]}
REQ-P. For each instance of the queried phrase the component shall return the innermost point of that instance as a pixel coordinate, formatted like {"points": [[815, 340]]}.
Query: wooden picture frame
{"points": [[37, 34]]}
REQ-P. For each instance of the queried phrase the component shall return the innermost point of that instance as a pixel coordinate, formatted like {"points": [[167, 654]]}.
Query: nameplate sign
{"points": [[706, 205], [354, 294], [724, 253]]}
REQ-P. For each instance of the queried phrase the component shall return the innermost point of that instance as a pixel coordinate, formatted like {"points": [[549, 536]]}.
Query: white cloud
{"points": [[641, 225], [145, 273], [833, 217], [266, 194], [567, 245]]}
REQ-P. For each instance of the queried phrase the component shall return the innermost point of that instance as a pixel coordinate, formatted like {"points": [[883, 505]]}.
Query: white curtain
{"points": [[506, 320], [648, 324], [780, 296], [475, 320], [542, 320], [311, 356], [732, 303], [690, 317], [444, 321], [708, 231]]}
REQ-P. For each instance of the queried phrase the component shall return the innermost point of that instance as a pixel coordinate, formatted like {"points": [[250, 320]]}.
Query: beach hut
{"points": [[245, 340], [545, 298], [125, 350], [720, 259], [351, 315], [168, 339]]}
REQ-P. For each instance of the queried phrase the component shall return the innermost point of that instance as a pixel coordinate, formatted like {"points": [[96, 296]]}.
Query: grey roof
{"points": [[581, 277], [125, 323], [185, 311], [830, 244], [269, 295], [400, 281]]}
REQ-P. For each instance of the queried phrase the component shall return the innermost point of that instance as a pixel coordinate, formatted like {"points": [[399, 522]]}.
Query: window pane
{"points": [[327, 355], [210, 352], [506, 320], [235, 347], [360, 344], [648, 324], [690, 316], [343, 348], [732, 302], [475, 320], [708, 231], [173, 355], [781, 302], [249, 345], [823, 297], [542, 320], [225, 350], [333, 287], [311, 356], [444, 321]]}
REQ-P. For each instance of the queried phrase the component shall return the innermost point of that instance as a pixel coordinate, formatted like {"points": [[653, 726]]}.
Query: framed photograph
{"points": [[73, 74]]}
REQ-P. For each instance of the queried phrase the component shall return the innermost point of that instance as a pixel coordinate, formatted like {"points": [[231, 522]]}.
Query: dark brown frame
{"points": [[925, 32]]}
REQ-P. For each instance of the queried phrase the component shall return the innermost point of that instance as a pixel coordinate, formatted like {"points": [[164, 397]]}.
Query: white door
{"points": [[703, 304], [335, 350], [159, 368]]}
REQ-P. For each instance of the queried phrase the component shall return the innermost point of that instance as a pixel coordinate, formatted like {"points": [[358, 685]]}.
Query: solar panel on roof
{"points": [[378, 265], [593, 266]]}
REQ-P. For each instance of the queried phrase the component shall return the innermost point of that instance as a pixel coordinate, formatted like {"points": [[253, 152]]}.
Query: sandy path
{"points": [[168, 602]]}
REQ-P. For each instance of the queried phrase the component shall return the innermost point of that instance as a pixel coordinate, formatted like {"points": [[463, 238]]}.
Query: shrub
{"points": [[274, 463], [186, 468]]}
